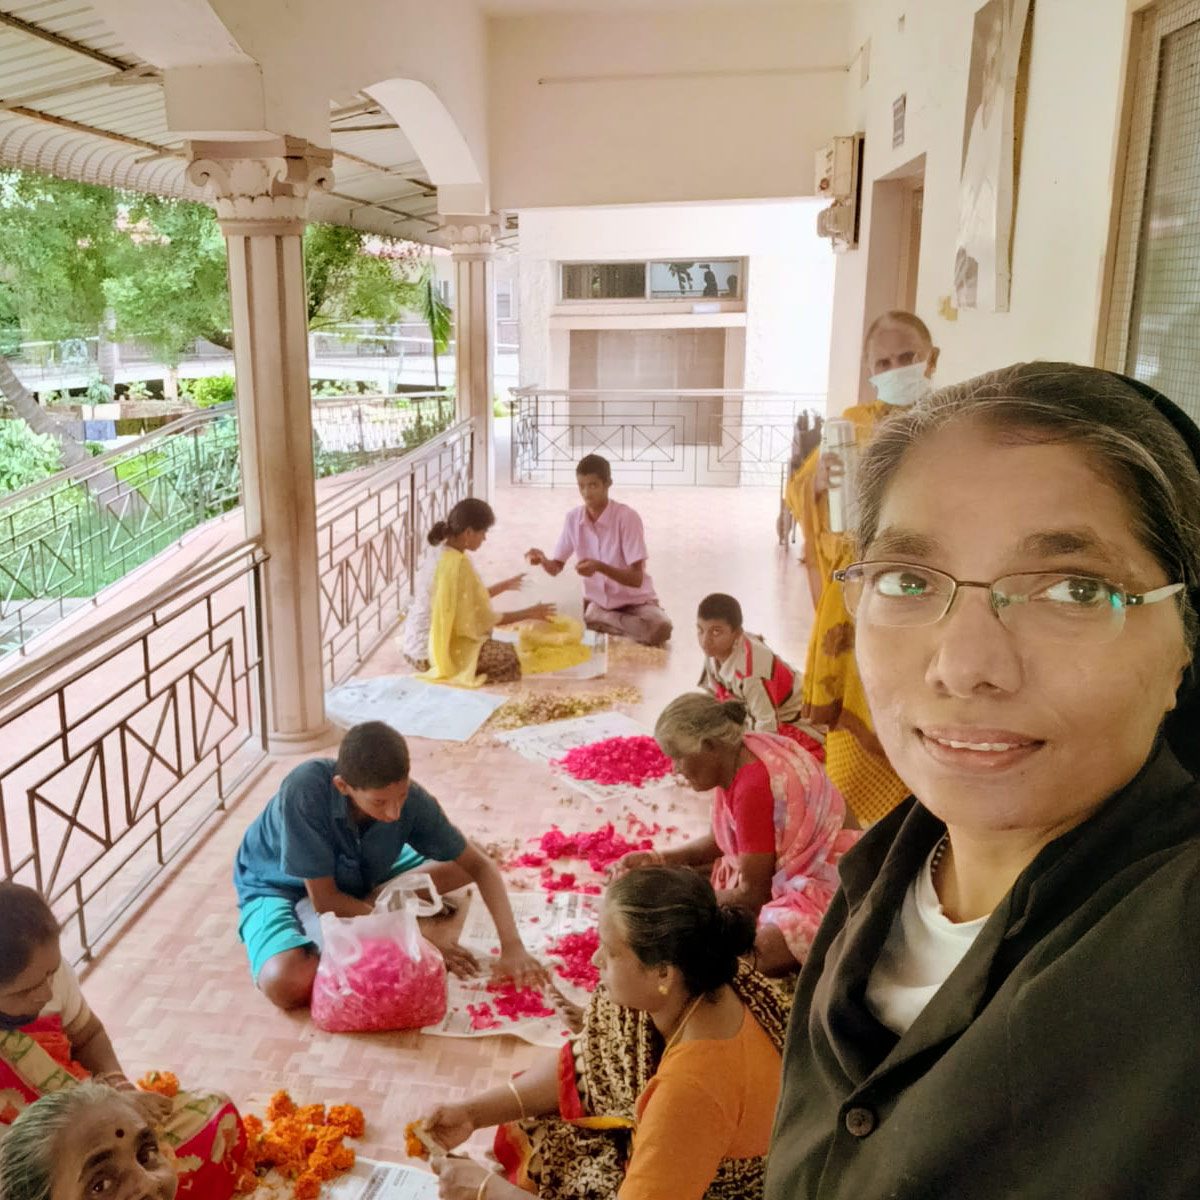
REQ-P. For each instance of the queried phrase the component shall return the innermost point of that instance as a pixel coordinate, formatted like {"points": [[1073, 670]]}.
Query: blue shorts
{"points": [[270, 925]]}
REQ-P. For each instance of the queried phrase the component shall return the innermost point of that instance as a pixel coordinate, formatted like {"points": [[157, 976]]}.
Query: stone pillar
{"points": [[473, 247], [261, 191]]}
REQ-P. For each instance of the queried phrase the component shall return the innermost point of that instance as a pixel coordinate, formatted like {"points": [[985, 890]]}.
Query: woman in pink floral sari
{"points": [[778, 824], [50, 1040]]}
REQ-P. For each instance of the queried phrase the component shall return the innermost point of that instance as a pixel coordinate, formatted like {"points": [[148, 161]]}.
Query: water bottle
{"points": [[838, 438]]}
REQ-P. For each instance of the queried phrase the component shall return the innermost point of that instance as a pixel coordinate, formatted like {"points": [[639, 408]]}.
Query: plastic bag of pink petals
{"points": [[378, 972]]}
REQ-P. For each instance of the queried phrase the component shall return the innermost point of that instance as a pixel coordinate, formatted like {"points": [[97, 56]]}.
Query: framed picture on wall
{"points": [[987, 184]]}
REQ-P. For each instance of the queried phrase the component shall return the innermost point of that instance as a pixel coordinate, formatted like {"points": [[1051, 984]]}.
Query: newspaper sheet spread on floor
{"points": [[541, 920], [368, 1180], [412, 706]]}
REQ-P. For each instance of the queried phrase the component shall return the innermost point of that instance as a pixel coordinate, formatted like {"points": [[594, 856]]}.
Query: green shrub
{"points": [[98, 392], [211, 390], [25, 457]]}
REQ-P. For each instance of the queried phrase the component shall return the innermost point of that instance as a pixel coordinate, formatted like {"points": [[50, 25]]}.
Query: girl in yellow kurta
{"points": [[901, 357], [461, 648]]}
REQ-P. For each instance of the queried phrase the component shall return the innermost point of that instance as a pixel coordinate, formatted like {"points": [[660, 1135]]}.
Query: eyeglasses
{"points": [[1049, 605]]}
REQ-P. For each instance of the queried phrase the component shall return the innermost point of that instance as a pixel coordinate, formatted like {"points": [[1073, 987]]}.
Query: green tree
{"points": [[166, 281], [70, 252], [353, 276], [57, 239], [437, 316]]}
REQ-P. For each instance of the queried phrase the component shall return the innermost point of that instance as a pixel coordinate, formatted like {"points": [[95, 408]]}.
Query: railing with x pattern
{"points": [[370, 545], [126, 740], [656, 438], [68, 537]]}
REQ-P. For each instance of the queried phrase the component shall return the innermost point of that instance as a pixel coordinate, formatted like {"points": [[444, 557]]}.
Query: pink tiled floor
{"points": [[173, 986]]}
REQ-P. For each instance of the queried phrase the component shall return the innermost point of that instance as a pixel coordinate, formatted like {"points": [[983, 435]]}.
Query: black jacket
{"points": [[1061, 1059]]}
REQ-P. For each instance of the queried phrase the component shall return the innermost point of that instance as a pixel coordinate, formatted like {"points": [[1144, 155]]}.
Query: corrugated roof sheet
{"points": [[63, 114]]}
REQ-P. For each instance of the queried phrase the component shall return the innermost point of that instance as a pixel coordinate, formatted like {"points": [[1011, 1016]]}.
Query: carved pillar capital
{"points": [[261, 188], [472, 236]]}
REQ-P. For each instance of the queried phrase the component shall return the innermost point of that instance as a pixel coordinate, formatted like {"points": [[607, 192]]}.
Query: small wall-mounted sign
{"points": [[899, 107]]}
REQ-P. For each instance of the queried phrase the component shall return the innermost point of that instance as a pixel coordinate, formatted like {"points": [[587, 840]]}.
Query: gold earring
{"points": [[663, 989]]}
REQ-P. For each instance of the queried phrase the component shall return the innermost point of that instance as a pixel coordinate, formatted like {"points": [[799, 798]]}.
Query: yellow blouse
{"points": [[461, 620]]}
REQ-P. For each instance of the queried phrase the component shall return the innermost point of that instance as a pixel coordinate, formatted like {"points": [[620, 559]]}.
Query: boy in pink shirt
{"points": [[609, 544]]}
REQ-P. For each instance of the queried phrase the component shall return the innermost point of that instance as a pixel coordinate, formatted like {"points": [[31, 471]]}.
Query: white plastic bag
{"points": [[377, 971]]}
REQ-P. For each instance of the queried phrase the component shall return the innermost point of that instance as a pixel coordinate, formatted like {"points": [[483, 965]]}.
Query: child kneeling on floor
{"points": [[335, 832], [51, 1041]]}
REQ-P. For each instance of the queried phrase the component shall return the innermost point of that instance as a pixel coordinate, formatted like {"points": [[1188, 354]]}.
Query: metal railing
{"points": [[657, 438], [63, 540], [369, 545], [126, 740]]}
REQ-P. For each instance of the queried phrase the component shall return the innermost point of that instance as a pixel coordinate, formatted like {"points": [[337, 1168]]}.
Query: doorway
{"points": [[894, 248]]}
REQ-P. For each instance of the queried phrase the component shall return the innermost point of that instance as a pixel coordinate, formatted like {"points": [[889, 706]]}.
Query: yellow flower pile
{"points": [[551, 645], [537, 708]]}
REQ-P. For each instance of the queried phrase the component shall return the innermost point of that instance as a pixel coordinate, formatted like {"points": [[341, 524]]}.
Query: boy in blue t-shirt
{"points": [[333, 833]]}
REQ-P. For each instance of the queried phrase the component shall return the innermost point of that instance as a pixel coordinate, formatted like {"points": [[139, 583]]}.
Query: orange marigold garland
{"points": [[415, 1145], [163, 1082], [280, 1105], [303, 1144], [347, 1118]]}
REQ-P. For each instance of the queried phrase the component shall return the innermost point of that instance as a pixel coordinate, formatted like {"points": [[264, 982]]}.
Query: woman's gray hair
{"points": [[696, 721], [28, 1152], [1129, 441]]}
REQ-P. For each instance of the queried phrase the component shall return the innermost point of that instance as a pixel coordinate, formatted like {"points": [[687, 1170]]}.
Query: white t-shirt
{"points": [[66, 1001], [922, 949], [414, 638]]}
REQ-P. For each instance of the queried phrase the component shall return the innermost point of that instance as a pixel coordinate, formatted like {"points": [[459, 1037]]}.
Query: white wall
{"points": [[1065, 190], [314, 50], [789, 281], [728, 102]]}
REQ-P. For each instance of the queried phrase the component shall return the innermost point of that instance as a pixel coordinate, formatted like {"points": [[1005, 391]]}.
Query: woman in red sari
{"points": [[778, 824]]}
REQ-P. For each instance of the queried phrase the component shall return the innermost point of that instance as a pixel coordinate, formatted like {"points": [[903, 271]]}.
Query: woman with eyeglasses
{"points": [[1002, 999]]}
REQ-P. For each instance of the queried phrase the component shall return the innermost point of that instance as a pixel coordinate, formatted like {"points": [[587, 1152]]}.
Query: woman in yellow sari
{"points": [[462, 650], [901, 357]]}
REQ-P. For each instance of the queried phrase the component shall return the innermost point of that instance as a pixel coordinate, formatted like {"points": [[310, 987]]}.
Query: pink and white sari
{"points": [[808, 813]]}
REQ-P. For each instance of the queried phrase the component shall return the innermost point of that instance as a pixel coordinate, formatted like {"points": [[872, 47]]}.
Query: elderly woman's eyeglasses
{"points": [[1050, 605]]}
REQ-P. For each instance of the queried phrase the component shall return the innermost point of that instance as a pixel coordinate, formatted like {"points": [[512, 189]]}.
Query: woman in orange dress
{"points": [[670, 1088]]}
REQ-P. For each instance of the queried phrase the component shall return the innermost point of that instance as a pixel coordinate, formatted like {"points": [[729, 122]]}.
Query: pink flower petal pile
{"points": [[482, 1016], [576, 951], [382, 989], [566, 882], [514, 1002], [632, 760], [600, 847]]}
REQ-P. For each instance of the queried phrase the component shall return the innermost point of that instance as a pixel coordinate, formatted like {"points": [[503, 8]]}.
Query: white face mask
{"points": [[904, 386]]}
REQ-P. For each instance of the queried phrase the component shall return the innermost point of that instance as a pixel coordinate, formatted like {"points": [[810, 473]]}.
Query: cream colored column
{"points": [[473, 247], [261, 192]]}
